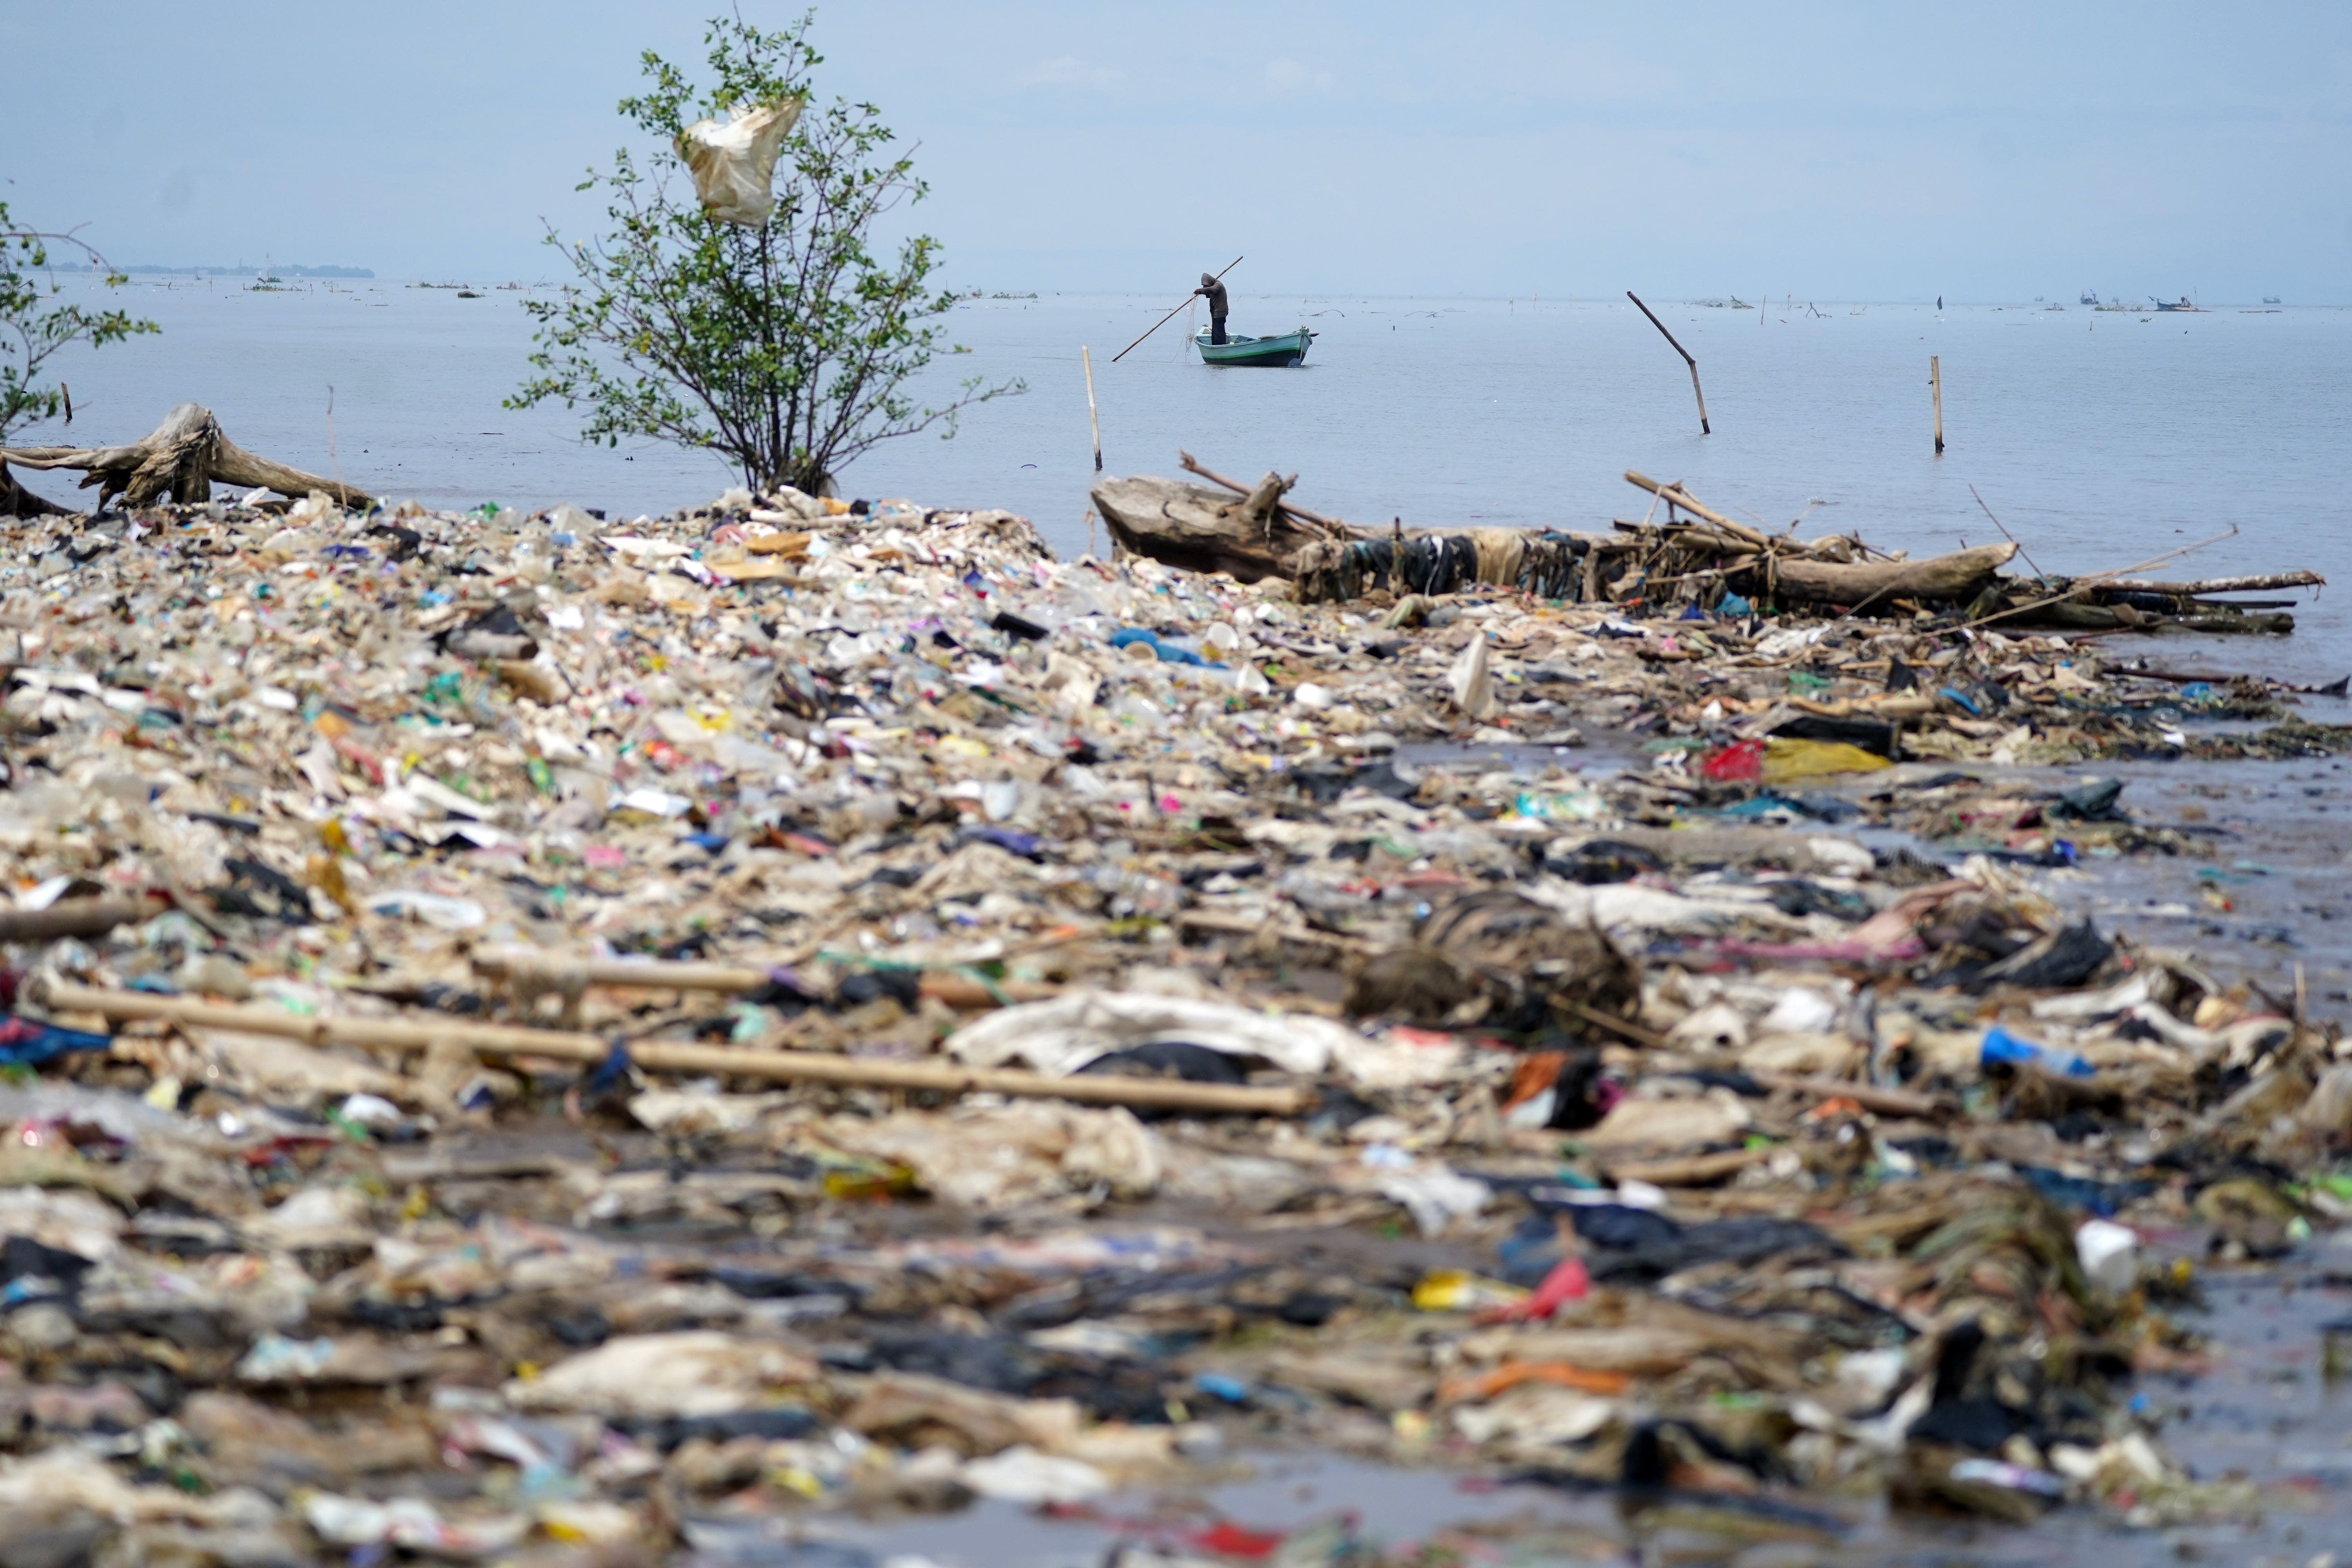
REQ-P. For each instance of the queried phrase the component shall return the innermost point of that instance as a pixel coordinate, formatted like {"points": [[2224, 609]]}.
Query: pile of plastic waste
{"points": [[541, 1037]]}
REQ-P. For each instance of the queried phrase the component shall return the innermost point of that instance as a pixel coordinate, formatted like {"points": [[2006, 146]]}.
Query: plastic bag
{"points": [[734, 163], [1788, 760]]}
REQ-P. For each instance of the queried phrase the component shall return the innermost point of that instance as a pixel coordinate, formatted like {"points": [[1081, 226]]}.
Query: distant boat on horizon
{"points": [[2183, 305], [2270, 299], [2089, 297]]}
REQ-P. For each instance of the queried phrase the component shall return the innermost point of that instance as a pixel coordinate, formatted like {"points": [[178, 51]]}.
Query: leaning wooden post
{"points": [[1704, 428], [1936, 381], [1095, 424]]}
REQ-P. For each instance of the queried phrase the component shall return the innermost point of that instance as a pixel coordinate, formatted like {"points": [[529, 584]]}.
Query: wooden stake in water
{"points": [[1936, 381], [1095, 424], [1704, 428]]}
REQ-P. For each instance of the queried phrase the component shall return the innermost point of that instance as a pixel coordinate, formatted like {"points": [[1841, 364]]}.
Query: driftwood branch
{"points": [[1675, 495], [1256, 508], [1193, 464], [183, 457]]}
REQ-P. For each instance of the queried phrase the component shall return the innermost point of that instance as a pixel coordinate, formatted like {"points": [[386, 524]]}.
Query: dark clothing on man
{"points": [[1215, 291]]}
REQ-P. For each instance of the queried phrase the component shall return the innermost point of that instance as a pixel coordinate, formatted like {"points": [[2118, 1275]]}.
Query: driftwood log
{"points": [[1960, 575], [1687, 558], [1201, 529], [16, 500], [183, 458]]}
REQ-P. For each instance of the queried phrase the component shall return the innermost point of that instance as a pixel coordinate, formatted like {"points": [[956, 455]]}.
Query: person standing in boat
{"points": [[1214, 292]]}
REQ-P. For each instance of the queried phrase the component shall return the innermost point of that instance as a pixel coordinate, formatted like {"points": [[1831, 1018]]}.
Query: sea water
{"points": [[2098, 440]]}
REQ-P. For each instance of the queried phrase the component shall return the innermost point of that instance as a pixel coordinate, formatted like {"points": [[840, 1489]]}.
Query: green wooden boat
{"points": [[1286, 350]]}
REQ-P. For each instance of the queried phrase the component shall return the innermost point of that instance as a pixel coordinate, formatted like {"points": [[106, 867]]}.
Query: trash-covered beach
{"points": [[550, 1038]]}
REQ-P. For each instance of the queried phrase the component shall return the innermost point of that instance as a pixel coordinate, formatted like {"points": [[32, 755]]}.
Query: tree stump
{"points": [[183, 457], [1201, 529]]}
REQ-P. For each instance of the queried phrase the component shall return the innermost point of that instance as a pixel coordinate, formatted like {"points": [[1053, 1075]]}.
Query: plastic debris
{"points": [[734, 161], [608, 1034]]}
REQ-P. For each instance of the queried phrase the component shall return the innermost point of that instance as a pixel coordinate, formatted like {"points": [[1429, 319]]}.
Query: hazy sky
{"points": [[1983, 151]]}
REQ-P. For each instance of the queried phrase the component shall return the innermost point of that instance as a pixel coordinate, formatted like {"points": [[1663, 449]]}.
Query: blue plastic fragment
{"points": [[1169, 652], [1999, 1046], [1764, 802], [1028, 846], [610, 1072], [23, 1043], [1962, 698], [1217, 1386], [1732, 603]]}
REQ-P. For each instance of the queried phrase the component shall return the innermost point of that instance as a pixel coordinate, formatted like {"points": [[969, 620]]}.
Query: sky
{"points": [[1831, 151]]}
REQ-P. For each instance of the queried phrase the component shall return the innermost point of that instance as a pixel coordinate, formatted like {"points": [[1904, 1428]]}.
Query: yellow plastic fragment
{"points": [[1788, 760], [1459, 1290]]}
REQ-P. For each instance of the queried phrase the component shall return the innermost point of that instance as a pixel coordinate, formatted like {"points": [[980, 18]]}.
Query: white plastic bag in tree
{"points": [[734, 163]]}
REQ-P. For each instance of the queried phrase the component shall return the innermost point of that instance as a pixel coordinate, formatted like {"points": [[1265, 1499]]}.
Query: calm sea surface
{"points": [[2100, 439]]}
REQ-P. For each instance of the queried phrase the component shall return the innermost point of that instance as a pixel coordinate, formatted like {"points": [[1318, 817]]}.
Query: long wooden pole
{"points": [[1092, 422], [1170, 316], [1704, 428], [2219, 585], [666, 1056], [1935, 380], [78, 917], [1675, 495]]}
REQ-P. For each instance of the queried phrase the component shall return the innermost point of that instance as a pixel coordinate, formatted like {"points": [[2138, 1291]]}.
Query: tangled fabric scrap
{"points": [[1545, 565]]}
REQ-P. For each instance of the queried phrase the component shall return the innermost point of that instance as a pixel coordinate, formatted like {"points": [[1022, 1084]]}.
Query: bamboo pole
{"points": [[1163, 320], [405, 1036], [78, 917], [2219, 586], [1092, 422], [561, 974], [1704, 428], [1936, 381]]}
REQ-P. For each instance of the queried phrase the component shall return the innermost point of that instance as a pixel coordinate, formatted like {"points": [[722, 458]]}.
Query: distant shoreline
{"points": [[150, 270]]}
